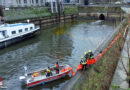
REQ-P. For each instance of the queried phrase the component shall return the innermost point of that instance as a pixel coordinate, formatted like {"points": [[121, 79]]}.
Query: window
{"points": [[31, 28], [41, 1], [13, 32], [20, 30], [32, 1], [26, 29], [19, 1], [36, 1], [25, 1], [4, 33]]}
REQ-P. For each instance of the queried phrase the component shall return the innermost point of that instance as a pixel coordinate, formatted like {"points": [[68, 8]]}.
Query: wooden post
{"points": [[40, 23], [1, 11], [59, 14], [64, 16], [1, 15], [72, 16]]}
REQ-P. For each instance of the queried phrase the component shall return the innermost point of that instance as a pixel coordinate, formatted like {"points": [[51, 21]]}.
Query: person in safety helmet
{"points": [[86, 55], [83, 62], [90, 54], [49, 73], [57, 67]]}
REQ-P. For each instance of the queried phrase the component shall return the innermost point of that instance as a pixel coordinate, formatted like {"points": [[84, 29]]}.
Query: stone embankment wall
{"points": [[101, 13], [105, 66]]}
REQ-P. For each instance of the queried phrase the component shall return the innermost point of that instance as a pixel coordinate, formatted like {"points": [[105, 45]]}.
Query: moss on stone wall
{"points": [[100, 9]]}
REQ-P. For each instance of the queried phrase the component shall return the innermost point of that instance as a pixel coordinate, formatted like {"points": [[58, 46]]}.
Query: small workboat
{"points": [[40, 76], [12, 33]]}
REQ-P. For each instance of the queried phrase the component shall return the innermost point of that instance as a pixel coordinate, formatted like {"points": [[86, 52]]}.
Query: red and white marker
{"points": [[1, 84]]}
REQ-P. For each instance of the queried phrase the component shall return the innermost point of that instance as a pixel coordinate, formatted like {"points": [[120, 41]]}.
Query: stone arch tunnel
{"points": [[101, 17]]}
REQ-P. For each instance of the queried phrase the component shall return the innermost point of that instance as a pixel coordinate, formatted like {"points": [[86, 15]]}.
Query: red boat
{"points": [[40, 76]]}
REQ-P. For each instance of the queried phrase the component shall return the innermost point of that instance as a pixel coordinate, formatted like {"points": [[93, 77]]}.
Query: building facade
{"points": [[22, 3]]}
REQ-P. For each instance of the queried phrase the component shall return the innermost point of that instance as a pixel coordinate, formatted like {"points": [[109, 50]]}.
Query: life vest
{"points": [[48, 70], [35, 74], [83, 61]]}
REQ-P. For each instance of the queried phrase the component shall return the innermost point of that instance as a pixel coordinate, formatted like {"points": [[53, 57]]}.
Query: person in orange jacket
{"points": [[57, 67]]}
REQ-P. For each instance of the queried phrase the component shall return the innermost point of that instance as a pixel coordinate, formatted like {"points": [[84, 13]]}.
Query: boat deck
{"points": [[42, 75]]}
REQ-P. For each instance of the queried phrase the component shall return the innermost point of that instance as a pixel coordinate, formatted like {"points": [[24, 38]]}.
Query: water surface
{"points": [[65, 43]]}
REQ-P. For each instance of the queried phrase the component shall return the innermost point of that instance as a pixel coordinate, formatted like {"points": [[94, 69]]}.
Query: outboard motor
{"points": [[22, 79]]}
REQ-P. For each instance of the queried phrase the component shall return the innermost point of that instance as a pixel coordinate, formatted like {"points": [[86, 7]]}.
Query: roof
{"points": [[12, 26], [18, 24]]}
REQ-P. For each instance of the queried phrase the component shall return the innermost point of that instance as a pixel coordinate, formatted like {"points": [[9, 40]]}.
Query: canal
{"points": [[65, 43]]}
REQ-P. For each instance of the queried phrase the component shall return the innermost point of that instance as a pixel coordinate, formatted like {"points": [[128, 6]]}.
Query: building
{"points": [[64, 1], [22, 3], [83, 2]]}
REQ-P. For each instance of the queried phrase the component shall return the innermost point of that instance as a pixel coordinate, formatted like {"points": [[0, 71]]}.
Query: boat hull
{"points": [[9, 42], [50, 79]]}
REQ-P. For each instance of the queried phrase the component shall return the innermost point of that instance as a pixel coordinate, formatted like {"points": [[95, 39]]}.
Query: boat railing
{"points": [[42, 73], [37, 27], [44, 70]]}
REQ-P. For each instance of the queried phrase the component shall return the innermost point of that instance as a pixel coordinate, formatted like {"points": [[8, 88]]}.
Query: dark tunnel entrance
{"points": [[101, 17]]}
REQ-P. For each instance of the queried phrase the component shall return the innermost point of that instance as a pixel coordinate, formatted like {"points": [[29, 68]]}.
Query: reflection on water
{"points": [[65, 43]]}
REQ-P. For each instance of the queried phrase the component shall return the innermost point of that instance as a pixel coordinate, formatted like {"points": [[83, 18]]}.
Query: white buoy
{"points": [[28, 20]]}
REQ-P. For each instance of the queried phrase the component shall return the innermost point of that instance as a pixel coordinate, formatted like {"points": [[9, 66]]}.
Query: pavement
{"points": [[120, 75]]}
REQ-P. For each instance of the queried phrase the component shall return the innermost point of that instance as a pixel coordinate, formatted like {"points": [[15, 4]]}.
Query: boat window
{"points": [[31, 28], [3, 32], [13, 32], [20, 30], [26, 29]]}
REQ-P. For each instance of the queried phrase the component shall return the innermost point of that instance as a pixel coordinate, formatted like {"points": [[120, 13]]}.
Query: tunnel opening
{"points": [[101, 17]]}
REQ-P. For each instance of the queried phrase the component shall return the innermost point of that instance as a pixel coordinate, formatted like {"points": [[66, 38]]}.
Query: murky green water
{"points": [[65, 43]]}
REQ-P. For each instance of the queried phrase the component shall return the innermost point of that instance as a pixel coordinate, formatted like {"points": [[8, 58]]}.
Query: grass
{"points": [[71, 10], [26, 13], [99, 77], [34, 13]]}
